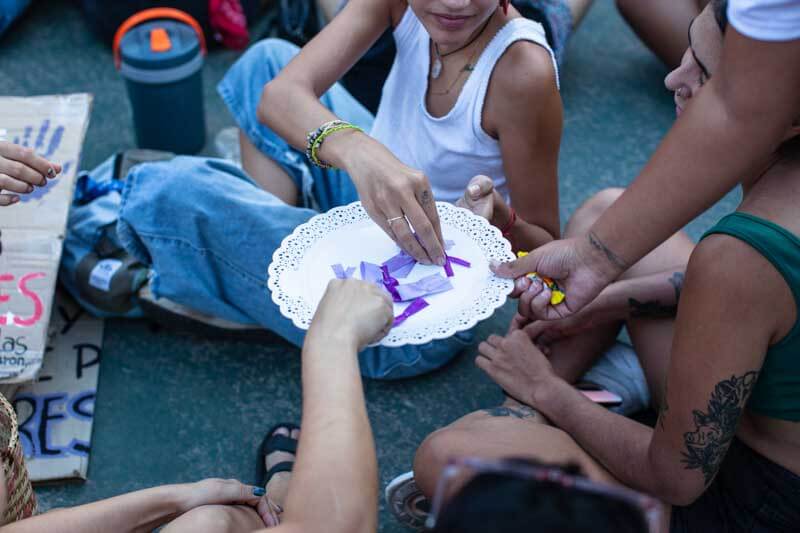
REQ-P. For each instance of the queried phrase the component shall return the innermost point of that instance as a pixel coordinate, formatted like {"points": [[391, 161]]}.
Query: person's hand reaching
{"points": [[21, 170], [580, 273], [354, 311]]}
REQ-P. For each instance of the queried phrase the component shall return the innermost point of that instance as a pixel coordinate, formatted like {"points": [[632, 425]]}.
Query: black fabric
{"points": [[285, 466], [281, 443], [750, 494]]}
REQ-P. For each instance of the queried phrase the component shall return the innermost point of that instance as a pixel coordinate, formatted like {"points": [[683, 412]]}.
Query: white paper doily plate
{"points": [[301, 269]]}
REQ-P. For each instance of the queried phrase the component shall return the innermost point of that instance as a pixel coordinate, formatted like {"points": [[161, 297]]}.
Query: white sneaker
{"points": [[406, 502]]}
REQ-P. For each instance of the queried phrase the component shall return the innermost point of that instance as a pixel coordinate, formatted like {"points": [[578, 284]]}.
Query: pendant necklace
{"points": [[436, 68]]}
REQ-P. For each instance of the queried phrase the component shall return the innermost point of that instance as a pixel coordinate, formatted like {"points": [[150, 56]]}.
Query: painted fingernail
{"points": [[14, 199], [520, 284], [259, 491], [440, 261], [51, 173], [43, 182], [30, 188], [535, 285], [474, 190]]}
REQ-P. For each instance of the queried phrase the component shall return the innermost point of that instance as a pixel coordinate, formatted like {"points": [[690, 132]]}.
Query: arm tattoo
{"points": [[651, 309], [521, 411], [426, 197], [714, 430], [613, 258]]}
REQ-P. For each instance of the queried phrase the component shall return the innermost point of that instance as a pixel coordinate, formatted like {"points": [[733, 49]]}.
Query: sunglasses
{"points": [[650, 508]]}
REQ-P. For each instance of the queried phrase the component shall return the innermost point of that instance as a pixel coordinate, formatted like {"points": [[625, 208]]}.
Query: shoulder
{"points": [[525, 69], [523, 92], [727, 261], [742, 284]]}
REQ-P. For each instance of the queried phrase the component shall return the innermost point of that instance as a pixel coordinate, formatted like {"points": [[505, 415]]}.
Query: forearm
{"points": [[335, 481], [620, 444], [703, 156], [652, 296], [291, 109], [526, 237], [523, 235], [143, 511]]}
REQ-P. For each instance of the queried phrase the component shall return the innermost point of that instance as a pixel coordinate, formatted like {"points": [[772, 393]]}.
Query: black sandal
{"points": [[275, 443]]}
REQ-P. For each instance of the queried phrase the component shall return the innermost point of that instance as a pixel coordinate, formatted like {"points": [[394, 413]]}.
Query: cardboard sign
{"points": [[33, 229], [55, 414]]}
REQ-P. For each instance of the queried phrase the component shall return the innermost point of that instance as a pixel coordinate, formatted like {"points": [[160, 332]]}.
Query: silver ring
{"points": [[390, 220]]}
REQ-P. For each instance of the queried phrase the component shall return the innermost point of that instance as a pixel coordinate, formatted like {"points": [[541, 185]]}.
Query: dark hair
{"points": [[720, 8], [501, 503]]}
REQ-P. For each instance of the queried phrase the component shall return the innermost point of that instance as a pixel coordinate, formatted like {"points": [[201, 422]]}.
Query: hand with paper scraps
{"points": [[354, 312]]}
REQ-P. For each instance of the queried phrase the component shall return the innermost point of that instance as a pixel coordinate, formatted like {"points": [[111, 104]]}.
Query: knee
{"points": [[272, 50], [432, 456], [595, 206], [208, 518]]}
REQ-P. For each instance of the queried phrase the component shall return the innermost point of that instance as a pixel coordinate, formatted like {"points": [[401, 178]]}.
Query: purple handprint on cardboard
{"points": [[39, 145]]}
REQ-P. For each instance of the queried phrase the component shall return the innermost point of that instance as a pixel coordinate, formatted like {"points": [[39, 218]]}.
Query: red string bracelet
{"points": [[506, 229]]}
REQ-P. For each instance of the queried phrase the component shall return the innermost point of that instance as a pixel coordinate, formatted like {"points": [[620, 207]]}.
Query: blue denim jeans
{"points": [[208, 232]]}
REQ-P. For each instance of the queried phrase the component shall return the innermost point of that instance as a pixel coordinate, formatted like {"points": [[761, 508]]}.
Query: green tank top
{"points": [[777, 392]]}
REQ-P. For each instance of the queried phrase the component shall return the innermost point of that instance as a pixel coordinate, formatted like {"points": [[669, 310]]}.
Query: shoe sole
{"points": [[402, 497]]}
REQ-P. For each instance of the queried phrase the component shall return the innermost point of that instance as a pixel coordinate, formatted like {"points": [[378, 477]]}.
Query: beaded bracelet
{"points": [[316, 138]]}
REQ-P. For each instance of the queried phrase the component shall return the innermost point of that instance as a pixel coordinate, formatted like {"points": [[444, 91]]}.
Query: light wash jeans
{"points": [[208, 232]]}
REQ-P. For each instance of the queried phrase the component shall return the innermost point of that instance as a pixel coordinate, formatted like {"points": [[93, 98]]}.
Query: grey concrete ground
{"points": [[174, 408]]}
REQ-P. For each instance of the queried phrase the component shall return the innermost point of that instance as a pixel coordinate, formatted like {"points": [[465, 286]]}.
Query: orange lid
{"points": [[159, 40], [156, 13]]}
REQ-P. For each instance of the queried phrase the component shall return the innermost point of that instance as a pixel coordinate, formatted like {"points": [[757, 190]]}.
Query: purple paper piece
{"points": [[413, 308], [448, 264], [404, 271], [459, 261], [371, 273], [341, 273], [448, 268], [400, 265], [390, 283], [426, 286]]}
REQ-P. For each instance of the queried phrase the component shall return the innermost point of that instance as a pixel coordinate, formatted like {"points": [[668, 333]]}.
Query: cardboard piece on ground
{"points": [[55, 414], [33, 230]]}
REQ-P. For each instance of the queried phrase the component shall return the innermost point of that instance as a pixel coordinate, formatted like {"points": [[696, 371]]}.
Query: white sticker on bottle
{"points": [[103, 271]]}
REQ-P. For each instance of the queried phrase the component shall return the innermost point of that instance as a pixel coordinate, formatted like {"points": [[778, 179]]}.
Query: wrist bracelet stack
{"points": [[314, 139]]}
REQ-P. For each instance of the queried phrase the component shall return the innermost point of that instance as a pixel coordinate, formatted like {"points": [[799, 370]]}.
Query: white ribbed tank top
{"points": [[450, 150]]}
